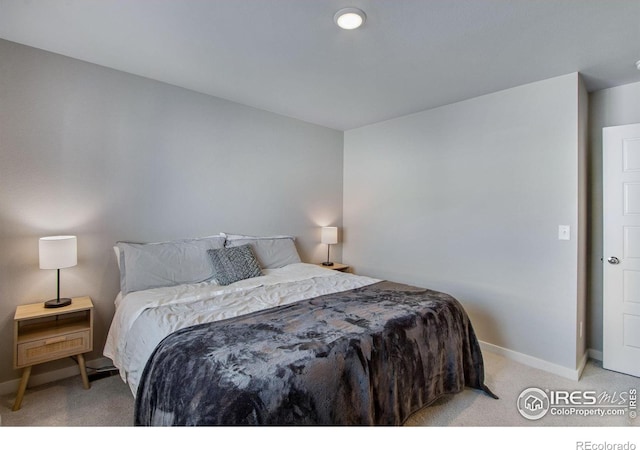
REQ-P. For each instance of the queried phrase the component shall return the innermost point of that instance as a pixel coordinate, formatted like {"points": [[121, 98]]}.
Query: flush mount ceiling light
{"points": [[638, 64], [349, 18]]}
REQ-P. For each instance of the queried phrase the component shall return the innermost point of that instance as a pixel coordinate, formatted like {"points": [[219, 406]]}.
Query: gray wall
{"points": [[110, 156], [609, 107], [467, 199]]}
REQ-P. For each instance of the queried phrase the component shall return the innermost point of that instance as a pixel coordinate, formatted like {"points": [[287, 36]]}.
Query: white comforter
{"points": [[144, 318]]}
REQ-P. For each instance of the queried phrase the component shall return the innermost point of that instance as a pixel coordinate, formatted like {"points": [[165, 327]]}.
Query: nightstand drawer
{"points": [[54, 347]]}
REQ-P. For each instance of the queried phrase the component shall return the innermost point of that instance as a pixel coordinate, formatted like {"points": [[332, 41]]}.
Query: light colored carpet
{"points": [[109, 402], [65, 403], [507, 379]]}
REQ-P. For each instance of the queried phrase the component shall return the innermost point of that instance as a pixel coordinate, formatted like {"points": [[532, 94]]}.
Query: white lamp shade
{"points": [[329, 235], [58, 252]]}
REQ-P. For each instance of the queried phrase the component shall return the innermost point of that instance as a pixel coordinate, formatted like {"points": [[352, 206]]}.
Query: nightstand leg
{"points": [[83, 372], [26, 373]]}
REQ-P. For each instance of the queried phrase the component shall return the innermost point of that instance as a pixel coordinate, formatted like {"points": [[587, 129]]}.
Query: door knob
{"points": [[613, 260]]}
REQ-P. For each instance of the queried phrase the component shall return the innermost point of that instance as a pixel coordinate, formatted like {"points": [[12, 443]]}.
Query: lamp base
{"points": [[57, 302], [327, 263]]}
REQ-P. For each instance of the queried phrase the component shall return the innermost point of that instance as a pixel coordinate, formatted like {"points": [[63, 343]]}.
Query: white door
{"points": [[621, 302]]}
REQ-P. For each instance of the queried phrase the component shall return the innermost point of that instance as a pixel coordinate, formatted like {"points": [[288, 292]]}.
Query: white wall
{"points": [[609, 107], [467, 199], [110, 156]]}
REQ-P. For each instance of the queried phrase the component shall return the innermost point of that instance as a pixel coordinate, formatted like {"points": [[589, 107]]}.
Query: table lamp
{"points": [[329, 235], [58, 252]]}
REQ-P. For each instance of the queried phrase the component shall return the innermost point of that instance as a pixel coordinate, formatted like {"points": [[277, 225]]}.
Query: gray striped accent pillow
{"points": [[234, 264]]}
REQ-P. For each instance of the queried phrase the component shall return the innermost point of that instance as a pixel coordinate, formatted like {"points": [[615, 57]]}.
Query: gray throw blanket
{"points": [[367, 356]]}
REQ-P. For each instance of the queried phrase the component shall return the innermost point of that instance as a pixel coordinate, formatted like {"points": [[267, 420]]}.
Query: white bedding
{"points": [[144, 318]]}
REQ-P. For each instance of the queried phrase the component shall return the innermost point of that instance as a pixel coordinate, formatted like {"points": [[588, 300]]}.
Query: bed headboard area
{"points": [[186, 261]]}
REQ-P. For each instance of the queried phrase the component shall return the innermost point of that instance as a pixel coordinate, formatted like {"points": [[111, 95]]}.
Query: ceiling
{"points": [[289, 57]]}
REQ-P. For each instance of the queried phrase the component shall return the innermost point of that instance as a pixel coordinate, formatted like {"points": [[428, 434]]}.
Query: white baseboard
{"points": [[595, 354], [582, 364], [11, 386], [537, 363]]}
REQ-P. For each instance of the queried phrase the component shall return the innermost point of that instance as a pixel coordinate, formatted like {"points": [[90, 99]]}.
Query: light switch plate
{"points": [[564, 232]]}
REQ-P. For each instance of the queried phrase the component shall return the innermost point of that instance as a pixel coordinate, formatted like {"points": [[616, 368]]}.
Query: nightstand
{"points": [[336, 266], [45, 334]]}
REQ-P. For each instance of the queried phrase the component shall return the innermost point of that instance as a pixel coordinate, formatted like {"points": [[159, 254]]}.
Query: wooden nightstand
{"points": [[45, 334], [336, 266]]}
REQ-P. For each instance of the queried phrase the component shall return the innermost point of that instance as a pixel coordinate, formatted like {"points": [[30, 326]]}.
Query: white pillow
{"points": [[272, 252], [160, 264]]}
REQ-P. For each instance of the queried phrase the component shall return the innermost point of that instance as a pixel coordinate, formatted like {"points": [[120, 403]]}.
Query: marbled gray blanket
{"points": [[368, 356]]}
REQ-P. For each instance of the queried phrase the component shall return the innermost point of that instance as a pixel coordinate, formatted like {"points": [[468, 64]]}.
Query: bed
{"points": [[236, 330]]}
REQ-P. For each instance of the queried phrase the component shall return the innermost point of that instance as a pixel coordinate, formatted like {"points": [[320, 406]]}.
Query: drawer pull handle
{"points": [[55, 340]]}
